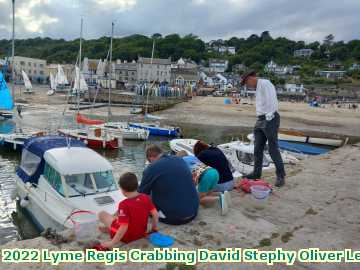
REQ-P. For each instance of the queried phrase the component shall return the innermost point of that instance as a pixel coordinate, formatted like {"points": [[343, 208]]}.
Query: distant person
{"points": [[205, 179], [170, 184], [130, 221], [266, 127], [19, 110], [215, 158]]}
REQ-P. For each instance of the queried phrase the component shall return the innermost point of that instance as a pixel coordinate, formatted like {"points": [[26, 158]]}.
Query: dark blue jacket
{"points": [[169, 182], [216, 159]]}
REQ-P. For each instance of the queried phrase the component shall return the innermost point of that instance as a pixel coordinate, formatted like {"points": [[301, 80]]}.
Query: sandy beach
{"points": [[319, 206]]}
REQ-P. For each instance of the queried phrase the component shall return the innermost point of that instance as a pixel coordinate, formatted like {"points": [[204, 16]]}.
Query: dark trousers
{"points": [[267, 131]]}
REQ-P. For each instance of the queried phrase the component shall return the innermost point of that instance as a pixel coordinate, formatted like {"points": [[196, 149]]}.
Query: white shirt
{"points": [[266, 99]]}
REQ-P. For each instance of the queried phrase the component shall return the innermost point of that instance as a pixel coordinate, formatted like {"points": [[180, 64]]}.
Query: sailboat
{"points": [[27, 82], [60, 79], [80, 85], [52, 85], [94, 137], [6, 100]]}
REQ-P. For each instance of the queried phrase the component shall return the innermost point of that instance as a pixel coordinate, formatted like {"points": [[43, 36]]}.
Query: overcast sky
{"points": [[307, 20]]}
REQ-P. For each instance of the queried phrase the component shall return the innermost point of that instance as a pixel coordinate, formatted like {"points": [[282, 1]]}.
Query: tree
{"points": [[329, 40]]}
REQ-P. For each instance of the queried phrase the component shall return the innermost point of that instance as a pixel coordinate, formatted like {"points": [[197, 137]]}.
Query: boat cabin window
{"points": [[54, 178], [29, 162], [82, 184]]}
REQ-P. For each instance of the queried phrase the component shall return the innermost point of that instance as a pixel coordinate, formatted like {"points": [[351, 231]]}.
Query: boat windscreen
{"points": [[29, 162]]}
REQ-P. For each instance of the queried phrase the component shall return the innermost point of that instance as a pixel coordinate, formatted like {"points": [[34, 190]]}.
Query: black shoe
{"points": [[280, 181], [252, 176]]}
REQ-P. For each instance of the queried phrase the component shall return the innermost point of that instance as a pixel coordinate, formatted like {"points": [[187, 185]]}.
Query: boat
{"points": [[58, 178], [134, 110], [94, 137], [124, 131], [6, 100], [80, 85], [52, 89], [297, 136], [156, 129], [302, 148], [27, 83], [187, 145], [15, 141], [60, 79]]}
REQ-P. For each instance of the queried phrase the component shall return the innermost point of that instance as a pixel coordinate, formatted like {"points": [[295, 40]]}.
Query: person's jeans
{"points": [[267, 131]]}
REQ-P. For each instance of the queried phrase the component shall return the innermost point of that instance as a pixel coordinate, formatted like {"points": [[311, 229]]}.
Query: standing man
{"points": [[266, 127]]}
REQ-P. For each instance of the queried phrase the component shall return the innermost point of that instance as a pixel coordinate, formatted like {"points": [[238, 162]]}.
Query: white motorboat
{"points": [[187, 145], [58, 177], [241, 156], [124, 131]]}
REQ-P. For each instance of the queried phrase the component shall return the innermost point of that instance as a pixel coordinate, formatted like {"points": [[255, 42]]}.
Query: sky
{"points": [[308, 20]]}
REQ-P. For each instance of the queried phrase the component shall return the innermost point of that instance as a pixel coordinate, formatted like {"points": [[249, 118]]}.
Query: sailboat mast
{"points": [[78, 86], [110, 70], [151, 65], [13, 50]]}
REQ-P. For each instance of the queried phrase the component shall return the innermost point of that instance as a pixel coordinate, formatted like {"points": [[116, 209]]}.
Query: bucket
{"points": [[85, 224], [260, 192]]}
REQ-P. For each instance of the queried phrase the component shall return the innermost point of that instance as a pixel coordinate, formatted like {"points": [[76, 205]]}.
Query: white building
{"points": [[34, 68], [226, 49], [303, 53], [355, 66], [185, 64], [331, 74], [159, 70], [272, 67], [218, 65], [294, 88]]}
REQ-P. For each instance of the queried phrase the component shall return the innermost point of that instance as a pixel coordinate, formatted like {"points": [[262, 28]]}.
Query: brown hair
{"points": [[199, 147], [128, 182], [153, 150]]}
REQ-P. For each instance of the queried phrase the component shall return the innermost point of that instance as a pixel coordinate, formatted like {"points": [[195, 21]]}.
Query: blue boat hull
{"points": [[11, 146], [303, 148], [158, 131]]}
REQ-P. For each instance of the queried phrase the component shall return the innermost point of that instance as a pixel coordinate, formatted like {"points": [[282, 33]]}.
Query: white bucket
{"points": [[85, 224], [260, 192]]}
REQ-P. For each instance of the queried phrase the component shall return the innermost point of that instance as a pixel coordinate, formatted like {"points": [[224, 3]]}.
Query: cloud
{"points": [[210, 19]]}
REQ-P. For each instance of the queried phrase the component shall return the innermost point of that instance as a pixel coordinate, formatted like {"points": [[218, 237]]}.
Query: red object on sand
{"points": [[87, 121], [246, 184]]}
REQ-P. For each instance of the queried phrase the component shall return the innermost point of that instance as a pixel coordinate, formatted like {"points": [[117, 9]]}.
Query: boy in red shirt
{"points": [[130, 222]]}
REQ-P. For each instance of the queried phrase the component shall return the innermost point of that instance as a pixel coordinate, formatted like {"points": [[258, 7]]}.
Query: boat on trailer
{"points": [[94, 137], [124, 131], [58, 177], [156, 129]]}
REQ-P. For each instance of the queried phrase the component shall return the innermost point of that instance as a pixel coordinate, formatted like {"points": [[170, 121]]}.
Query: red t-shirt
{"points": [[135, 213]]}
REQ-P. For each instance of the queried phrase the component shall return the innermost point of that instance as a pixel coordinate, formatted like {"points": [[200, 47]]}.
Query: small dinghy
{"points": [[156, 129], [59, 178]]}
